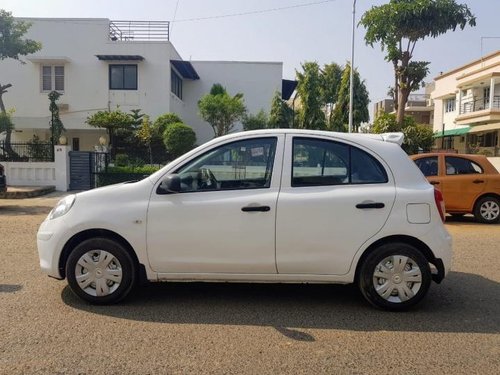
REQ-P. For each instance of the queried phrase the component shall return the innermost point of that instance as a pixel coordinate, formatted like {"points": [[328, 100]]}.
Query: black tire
{"points": [[417, 289], [120, 261], [487, 210]]}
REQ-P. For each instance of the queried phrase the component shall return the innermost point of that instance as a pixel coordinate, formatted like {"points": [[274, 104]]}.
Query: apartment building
{"points": [[467, 107]]}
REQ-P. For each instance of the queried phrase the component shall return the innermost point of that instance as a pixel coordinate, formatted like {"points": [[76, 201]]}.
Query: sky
{"points": [[319, 31]]}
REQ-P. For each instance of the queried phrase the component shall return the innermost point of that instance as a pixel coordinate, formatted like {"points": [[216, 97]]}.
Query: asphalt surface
{"points": [[210, 328]]}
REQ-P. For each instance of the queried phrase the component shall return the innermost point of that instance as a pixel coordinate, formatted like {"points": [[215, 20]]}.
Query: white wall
{"points": [[41, 173]]}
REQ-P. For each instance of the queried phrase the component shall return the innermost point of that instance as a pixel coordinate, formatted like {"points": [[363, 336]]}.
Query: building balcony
{"points": [[479, 110], [139, 31]]}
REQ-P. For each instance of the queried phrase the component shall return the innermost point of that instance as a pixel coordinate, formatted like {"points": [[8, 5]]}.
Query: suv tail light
{"points": [[438, 197]]}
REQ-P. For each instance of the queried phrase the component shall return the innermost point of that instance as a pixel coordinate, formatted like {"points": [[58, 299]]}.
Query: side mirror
{"points": [[171, 184]]}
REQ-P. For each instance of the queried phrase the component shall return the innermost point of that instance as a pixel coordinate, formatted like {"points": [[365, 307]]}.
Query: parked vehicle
{"points": [[259, 206], [470, 184], [3, 179]]}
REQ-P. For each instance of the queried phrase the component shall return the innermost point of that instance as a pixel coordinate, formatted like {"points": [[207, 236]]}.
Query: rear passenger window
{"points": [[318, 162], [455, 165]]}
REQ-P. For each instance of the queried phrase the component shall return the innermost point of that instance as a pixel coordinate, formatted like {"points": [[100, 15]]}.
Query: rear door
{"points": [[463, 182], [334, 197]]}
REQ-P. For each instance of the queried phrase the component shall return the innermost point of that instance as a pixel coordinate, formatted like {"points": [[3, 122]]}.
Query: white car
{"points": [[283, 206]]}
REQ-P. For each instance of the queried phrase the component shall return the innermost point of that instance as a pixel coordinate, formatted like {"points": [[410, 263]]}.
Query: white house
{"points": [[467, 107], [98, 64]]}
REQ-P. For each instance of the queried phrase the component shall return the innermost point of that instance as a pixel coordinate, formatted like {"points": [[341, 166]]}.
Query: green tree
{"points": [[360, 102], [399, 25], [163, 121], [310, 113], [56, 125], [12, 46], [331, 76], [417, 136], [145, 134], [281, 115], [111, 121], [254, 122], [179, 139], [221, 110]]}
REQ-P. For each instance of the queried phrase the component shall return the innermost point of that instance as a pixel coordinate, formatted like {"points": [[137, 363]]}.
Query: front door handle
{"points": [[434, 182], [478, 181], [370, 205], [256, 208]]}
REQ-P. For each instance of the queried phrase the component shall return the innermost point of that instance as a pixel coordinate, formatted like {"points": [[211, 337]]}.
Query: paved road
{"points": [[236, 328]]}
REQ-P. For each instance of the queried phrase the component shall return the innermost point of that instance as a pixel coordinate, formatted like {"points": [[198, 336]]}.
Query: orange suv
{"points": [[469, 183]]}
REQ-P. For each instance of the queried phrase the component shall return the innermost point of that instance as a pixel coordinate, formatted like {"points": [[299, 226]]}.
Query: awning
{"points": [[287, 88], [452, 132], [483, 128], [185, 69], [120, 57]]}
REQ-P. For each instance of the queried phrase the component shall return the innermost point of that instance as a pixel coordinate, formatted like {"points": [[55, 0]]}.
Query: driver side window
{"points": [[244, 164]]}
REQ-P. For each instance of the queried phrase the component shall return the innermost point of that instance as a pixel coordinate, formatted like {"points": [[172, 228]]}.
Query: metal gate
{"points": [[80, 170]]}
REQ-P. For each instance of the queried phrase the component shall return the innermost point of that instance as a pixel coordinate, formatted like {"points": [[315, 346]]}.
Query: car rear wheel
{"points": [[100, 271], [487, 210], [395, 276]]}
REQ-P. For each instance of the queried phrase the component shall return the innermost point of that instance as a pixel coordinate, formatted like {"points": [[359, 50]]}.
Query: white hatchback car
{"points": [[262, 206]]}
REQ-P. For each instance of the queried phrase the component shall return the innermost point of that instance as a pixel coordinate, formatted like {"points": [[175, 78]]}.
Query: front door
{"points": [[223, 220]]}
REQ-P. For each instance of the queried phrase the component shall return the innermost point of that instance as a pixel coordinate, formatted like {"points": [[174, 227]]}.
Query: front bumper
{"points": [[50, 245]]}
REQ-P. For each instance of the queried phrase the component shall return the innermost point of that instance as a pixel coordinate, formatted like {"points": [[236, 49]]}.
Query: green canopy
{"points": [[452, 132]]}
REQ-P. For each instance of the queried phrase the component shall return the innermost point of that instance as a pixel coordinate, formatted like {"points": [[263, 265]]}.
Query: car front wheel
{"points": [[100, 271], [395, 277], [487, 210]]}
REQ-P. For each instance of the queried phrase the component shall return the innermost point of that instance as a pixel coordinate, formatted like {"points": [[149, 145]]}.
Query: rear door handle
{"points": [[370, 205], [478, 181], [256, 208]]}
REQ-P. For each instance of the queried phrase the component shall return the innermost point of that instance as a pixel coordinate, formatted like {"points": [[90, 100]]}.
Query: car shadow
{"points": [[462, 303], [15, 210], [10, 288]]}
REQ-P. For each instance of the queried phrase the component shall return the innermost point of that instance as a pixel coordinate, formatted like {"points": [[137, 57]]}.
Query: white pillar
{"points": [[61, 161], [492, 91], [459, 101]]}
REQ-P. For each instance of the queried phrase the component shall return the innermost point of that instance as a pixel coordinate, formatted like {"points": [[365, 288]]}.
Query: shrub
{"points": [[179, 139], [121, 160], [164, 121]]}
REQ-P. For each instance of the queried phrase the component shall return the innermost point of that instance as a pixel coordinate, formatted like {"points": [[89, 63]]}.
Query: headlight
{"points": [[62, 207]]}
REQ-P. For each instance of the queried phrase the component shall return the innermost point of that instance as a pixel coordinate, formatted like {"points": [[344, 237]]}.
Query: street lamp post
{"points": [[351, 79]]}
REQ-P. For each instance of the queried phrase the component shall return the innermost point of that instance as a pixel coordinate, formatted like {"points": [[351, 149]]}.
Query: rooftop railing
{"points": [[139, 30]]}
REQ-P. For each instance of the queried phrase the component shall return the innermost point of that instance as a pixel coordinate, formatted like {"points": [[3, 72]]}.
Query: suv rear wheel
{"points": [[396, 276]]}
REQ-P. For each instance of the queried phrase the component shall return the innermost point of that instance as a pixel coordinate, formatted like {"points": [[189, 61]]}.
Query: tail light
{"points": [[438, 197]]}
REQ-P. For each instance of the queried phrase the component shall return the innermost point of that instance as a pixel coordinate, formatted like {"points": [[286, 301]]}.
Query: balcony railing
{"points": [[480, 104], [139, 30]]}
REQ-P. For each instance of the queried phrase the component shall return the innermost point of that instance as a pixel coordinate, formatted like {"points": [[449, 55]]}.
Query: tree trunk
{"points": [[403, 87], [396, 85]]}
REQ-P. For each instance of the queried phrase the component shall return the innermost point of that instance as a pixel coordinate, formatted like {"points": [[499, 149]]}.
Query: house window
{"points": [[52, 78], [449, 105], [123, 77], [175, 84]]}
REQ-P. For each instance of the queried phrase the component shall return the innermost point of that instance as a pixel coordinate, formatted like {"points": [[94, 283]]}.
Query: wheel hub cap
{"points": [[98, 273], [397, 278], [490, 210]]}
